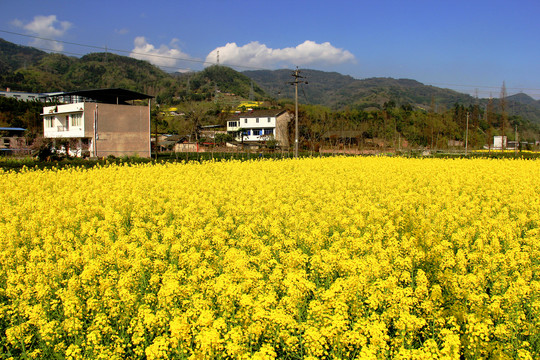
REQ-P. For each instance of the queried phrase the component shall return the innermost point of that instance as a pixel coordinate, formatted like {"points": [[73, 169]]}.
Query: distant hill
{"points": [[15, 56], [338, 91], [223, 80], [24, 68], [324, 88], [522, 105], [524, 99]]}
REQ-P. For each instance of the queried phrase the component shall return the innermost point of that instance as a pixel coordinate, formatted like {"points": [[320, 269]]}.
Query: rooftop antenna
{"points": [[218, 57]]}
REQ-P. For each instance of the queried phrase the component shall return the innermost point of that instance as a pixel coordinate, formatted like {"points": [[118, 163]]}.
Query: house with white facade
{"points": [[22, 96], [99, 123], [259, 126], [499, 142]]}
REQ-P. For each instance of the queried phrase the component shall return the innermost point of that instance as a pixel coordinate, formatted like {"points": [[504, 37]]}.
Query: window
{"points": [[269, 120], [233, 123], [245, 121], [257, 131], [76, 119], [49, 121], [257, 120], [268, 131], [245, 132]]}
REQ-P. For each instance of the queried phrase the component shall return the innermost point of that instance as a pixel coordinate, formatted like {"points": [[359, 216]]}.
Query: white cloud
{"points": [[45, 27], [259, 55], [122, 31], [166, 56]]}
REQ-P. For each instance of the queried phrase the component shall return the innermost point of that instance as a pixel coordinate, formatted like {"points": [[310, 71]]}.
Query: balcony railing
{"points": [[62, 128]]}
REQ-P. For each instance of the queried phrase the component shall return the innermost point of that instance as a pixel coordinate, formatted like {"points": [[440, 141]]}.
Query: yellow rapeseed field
{"points": [[322, 258]]}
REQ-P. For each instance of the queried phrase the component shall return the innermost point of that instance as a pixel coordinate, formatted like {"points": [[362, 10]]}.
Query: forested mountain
{"points": [[13, 57], [27, 69], [24, 68], [338, 92], [383, 108], [221, 79]]}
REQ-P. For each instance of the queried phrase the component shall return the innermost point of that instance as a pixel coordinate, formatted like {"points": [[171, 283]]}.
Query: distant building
{"points": [[499, 142], [456, 143], [343, 136], [43, 97], [209, 132], [258, 126], [12, 141], [167, 142], [99, 123], [24, 96]]}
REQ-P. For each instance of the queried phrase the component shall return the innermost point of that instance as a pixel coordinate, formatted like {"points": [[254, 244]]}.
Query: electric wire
{"points": [[479, 88], [107, 49]]}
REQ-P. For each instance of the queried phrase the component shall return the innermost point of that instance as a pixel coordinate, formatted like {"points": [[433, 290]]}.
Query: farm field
{"points": [[357, 257]]}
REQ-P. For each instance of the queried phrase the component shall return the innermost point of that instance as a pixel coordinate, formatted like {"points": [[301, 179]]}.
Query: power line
{"points": [[58, 51], [79, 54], [107, 49], [482, 86]]}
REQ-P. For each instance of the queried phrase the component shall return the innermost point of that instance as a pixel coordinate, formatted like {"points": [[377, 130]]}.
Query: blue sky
{"points": [[471, 46]]}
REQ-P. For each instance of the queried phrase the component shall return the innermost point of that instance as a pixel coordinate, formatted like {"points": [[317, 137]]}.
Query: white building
{"points": [[99, 123], [258, 126], [499, 142], [22, 96]]}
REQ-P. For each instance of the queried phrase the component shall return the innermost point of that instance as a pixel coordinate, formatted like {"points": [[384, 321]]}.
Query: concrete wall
{"points": [[499, 142], [187, 147], [122, 130], [282, 129]]}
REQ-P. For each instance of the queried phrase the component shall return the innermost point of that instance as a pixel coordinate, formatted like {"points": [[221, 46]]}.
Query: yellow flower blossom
{"points": [[342, 257]]}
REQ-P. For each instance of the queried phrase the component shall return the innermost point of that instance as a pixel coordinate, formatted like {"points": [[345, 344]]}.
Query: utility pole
{"points": [[503, 115], [296, 75], [156, 137], [467, 135], [517, 144]]}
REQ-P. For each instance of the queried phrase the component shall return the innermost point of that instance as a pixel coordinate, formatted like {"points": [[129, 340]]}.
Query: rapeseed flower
{"points": [[313, 258]]}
